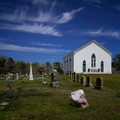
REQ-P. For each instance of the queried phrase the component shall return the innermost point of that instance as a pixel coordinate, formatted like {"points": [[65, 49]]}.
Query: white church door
{"points": [[84, 66]]}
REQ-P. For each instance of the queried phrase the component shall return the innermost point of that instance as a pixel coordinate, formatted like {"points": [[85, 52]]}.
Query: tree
{"points": [[10, 64], [116, 62], [3, 61], [58, 66], [48, 67], [35, 67]]}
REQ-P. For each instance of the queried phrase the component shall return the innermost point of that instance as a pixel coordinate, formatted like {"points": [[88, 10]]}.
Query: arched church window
{"points": [[93, 60], [84, 66], [102, 66]]}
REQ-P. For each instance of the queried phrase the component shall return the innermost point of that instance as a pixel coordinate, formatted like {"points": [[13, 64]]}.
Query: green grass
{"points": [[36, 101]]}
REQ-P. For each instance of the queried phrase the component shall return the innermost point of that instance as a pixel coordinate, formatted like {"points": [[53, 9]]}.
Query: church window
{"points": [[84, 66], [93, 60]]}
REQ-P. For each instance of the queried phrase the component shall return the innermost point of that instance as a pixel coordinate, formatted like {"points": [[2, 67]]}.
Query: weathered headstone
{"points": [[17, 76], [99, 83], [74, 77], [88, 82], [12, 78], [70, 74], [54, 82], [31, 75], [78, 99], [2, 77], [41, 73], [77, 78], [8, 89], [27, 76], [83, 81], [8, 76]]}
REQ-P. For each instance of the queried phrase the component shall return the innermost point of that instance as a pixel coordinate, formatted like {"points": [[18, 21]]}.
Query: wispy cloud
{"points": [[33, 28], [94, 1], [12, 47], [2, 38], [67, 16], [102, 43], [101, 32], [118, 7], [39, 1], [20, 15], [46, 44], [43, 21]]}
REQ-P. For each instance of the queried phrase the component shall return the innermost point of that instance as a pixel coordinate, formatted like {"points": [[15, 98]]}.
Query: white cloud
{"points": [[46, 44], [43, 16], [67, 16], [100, 32], [43, 21], [12, 47], [35, 28]]}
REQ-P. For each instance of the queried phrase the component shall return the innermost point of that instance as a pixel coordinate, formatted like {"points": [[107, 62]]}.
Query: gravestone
{"points": [[2, 77], [12, 78], [99, 83], [8, 89], [27, 76], [31, 75], [74, 77], [8, 76], [78, 99], [83, 81], [54, 83], [41, 73], [17, 76], [70, 74], [88, 82], [77, 78]]}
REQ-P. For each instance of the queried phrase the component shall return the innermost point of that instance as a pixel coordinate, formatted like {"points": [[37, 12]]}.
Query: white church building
{"points": [[90, 58]]}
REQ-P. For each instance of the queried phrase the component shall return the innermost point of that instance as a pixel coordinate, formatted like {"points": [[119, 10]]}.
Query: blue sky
{"points": [[48, 30]]}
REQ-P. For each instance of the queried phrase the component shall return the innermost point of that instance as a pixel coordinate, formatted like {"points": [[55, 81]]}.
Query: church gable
{"points": [[95, 42]]}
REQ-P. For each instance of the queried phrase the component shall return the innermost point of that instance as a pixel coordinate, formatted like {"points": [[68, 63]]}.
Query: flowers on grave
{"points": [[88, 69], [99, 70]]}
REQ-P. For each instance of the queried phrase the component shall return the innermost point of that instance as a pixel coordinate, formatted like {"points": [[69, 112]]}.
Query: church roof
{"points": [[93, 41]]}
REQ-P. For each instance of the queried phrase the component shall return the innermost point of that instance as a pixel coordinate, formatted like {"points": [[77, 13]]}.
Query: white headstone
{"points": [[31, 75], [78, 99], [17, 77]]}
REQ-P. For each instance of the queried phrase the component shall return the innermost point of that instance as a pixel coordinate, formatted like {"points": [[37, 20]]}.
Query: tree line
{"points": [[8, 65]]}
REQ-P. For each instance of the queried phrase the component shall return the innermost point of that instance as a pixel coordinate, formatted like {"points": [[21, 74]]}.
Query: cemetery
{"points": [[66, 97], [59, 60]]}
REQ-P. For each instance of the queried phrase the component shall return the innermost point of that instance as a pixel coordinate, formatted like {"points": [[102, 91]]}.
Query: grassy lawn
{"points": [[36, 101]]}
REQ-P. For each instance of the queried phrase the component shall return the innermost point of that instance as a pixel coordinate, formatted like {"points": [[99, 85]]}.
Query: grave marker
{"points": [[99, 83], [70, 74], [74, 77], [31, 75], [77, 78], [83, 81], [54, 83], [17, 76], [88, 81]]}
